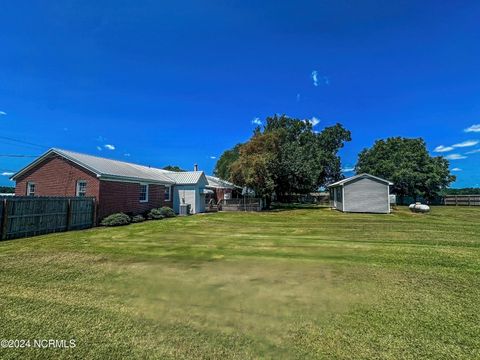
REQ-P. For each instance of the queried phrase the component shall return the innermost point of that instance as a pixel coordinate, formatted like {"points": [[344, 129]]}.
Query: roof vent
{"points": [[195, 167]]}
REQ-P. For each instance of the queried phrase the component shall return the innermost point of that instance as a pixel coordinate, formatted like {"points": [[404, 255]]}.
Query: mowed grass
{"points": [[298, 283]]}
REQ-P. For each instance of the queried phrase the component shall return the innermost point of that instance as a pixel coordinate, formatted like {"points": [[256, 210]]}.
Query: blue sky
{"points": [[178, 82]]}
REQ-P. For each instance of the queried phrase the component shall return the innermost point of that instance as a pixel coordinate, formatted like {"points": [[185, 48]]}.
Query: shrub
{"points": [[116, 220], [138, 219], [167, 212], [155, 214]]}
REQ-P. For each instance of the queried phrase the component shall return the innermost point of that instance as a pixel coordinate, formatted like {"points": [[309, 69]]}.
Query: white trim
{"points": [[28, 188], [169, 193], [77, 190], [45, 156], [81, 164], [359, 176], [132, 180], [146, 194], [389, 210], [344, 208], [335, 199]]}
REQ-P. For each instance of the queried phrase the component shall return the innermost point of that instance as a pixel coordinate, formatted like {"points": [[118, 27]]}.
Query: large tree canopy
{"points": [[287, 157], [407, 163], [222, 167]]}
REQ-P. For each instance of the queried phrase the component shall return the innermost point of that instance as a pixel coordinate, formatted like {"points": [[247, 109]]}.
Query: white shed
{"points": [[362, 193], [190, 188]]}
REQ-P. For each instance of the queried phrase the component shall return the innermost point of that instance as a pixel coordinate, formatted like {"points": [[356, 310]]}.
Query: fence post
{"points": [[69, 210], [4, 223], [94, 213]]}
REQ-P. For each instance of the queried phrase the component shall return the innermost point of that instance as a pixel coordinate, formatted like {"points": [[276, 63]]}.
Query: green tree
{"points": [[173, 168], [7, 189], [288, 157], [255, 166], [461, 191], [407, 163], [222, 167]]}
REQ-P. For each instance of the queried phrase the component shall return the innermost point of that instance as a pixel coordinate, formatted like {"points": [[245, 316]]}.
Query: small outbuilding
{"points": [[362, 193], [190, 188]]}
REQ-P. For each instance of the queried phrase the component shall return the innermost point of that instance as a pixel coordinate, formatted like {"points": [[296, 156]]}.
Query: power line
{"points": [[18, 156], [24, 142]]}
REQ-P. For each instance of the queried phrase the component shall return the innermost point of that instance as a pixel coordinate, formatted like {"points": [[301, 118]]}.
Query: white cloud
{"points": [[213, 157], [473, 128], [109, 147], [7, 173], [466, 144], [348, 169], [257, 121], [456, 169], [3, 113], [315, 77], [314, 121], [126, 154], [442, 148], [473, 151], [455, 157], [99, 148]]}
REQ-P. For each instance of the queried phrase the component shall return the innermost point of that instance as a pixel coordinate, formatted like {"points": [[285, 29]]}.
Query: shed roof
{"points": [[106, 168], [360, 176], [186, 177]]}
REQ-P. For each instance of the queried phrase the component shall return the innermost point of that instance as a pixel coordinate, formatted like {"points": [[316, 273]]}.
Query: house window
{"points": [[143, 192], [81, 188], [167, 193], [31, 189]]}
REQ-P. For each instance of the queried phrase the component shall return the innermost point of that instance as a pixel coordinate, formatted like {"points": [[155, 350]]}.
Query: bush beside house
{"points": [[120, 219], [117, 219]]}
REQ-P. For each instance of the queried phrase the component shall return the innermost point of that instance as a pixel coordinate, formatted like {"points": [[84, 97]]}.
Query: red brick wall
{"points": [[57, 177], [124, 197]]}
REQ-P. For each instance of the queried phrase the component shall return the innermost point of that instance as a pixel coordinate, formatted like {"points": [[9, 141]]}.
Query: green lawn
{"points": [[306, 283]]}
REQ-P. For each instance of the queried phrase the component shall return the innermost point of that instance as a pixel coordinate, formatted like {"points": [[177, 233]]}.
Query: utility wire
{"points": [[24, 142], [18, 156]]}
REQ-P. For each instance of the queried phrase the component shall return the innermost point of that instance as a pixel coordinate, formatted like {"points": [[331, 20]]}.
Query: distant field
{"points": [[297, 283]]}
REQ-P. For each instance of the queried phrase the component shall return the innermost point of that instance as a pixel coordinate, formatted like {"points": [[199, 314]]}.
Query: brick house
{"points": [[117, 186]]}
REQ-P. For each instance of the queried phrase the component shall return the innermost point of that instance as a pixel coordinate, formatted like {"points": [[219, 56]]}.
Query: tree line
{"points": [[286, 156], [7, 190]]}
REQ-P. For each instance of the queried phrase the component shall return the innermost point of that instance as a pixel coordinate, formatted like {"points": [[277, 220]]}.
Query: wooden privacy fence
{"points": [[24, 216], [462, 200], [245, 204]]}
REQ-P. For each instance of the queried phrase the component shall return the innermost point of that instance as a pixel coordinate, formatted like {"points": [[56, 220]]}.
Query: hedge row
{"points": [[120, 219]]}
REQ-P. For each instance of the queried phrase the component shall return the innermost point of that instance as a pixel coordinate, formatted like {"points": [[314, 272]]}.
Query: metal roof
{"points": [[353, 178], [107, 168], [186, 177], [218, 183]]}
